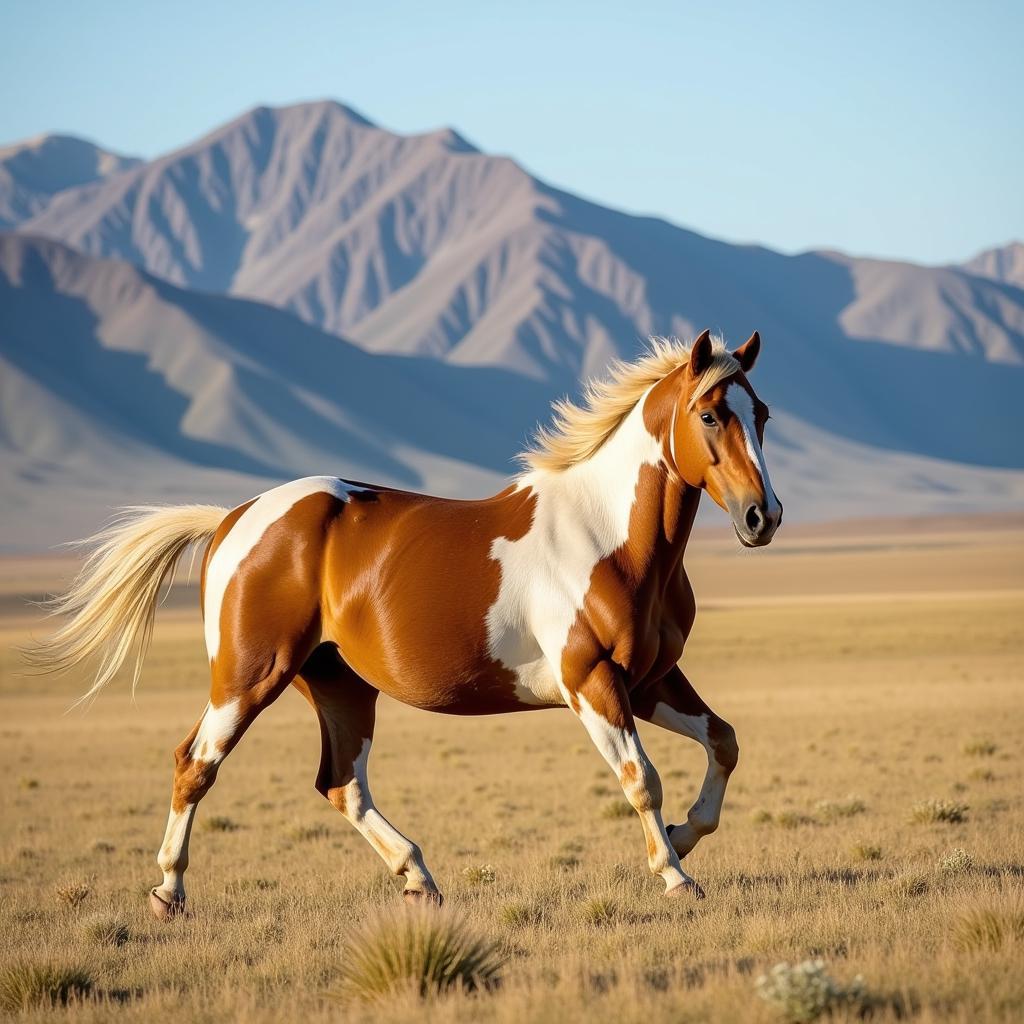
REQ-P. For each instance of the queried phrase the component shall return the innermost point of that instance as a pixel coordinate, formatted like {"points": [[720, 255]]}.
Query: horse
{"points": [[565, 590]]}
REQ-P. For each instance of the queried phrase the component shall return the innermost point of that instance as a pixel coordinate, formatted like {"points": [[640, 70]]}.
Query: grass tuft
{"points": [[927, 812], [980, 748], [220, 823], [599, 910], [106, 930], [833, 810], [988, 929], [616, 809], [420, 949], [308, 833], [25, 986], [866, 851], [521, 914]]}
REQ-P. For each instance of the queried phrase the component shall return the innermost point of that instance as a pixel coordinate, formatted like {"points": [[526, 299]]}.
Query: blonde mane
{"points": [[578, 430]]}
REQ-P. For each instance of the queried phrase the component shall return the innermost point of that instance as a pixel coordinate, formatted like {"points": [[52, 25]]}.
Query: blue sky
{"points": [[889, 129]]}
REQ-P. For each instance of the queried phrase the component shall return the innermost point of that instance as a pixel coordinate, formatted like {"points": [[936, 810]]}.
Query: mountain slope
{"points": [[34, 171], [1004, 263], [117, 387]]}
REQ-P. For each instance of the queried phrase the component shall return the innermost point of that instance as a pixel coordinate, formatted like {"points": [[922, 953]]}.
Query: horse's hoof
{"points": [[420, 897], [689, 888], [164, 910]]}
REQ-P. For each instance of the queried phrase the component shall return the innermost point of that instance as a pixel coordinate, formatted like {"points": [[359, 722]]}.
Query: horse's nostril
{"points": [[754, 519]]}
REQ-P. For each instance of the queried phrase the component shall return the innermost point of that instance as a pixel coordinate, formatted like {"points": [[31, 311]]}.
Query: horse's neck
{"points": [[632, 500]]}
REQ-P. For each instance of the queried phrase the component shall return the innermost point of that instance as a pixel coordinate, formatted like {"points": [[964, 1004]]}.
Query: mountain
{"points": [[1005, 263], [34, 171], [275, 281]]}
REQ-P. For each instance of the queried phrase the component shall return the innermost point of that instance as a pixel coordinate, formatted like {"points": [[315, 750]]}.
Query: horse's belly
{"points": [[536, 684]]}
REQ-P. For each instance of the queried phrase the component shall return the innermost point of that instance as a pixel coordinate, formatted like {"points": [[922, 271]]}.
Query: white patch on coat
{"points": [[738, 399], [580, 517], [245, 535], [216, 727]]}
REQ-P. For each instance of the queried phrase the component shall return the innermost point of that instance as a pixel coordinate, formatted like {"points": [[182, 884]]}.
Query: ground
{"points": [[865, 670]]}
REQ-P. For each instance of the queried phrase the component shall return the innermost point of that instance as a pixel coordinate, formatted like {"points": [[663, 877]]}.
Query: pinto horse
{"points": [[567, 589]]}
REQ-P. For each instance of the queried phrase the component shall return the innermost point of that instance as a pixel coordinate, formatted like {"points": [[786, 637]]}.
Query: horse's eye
{"points": [[707, 419]]}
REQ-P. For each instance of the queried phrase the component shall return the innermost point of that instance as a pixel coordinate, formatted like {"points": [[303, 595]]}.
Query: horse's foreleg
{"points": [[600, 702], [675, 705], [346, 706]]}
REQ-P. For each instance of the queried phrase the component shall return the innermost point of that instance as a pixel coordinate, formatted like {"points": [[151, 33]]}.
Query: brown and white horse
{"points": [[567, 589]]}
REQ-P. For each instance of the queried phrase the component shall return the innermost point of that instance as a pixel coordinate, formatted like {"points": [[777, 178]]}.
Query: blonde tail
{"points": [[112, 602]]}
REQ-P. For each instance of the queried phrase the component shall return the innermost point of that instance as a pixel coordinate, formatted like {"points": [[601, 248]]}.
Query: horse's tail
{"points": [[113, 600]]}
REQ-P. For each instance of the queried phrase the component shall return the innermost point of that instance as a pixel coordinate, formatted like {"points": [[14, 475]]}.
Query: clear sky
{"points": [[881, 128]]}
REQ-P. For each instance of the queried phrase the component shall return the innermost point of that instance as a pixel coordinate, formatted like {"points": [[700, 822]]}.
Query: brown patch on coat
{"points": [[389, 568]]}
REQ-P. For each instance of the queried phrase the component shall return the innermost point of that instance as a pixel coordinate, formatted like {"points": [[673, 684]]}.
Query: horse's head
{"points": [[717, 435]]}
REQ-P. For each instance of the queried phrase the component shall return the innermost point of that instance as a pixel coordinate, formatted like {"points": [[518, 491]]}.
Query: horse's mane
{"points": [[577, 431]]}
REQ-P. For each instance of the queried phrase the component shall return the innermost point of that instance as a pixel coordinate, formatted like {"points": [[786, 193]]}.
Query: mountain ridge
{"points": [[460, 275]]}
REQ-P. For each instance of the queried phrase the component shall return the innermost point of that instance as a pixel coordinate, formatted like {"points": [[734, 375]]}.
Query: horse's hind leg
{"points": [[236, 699], [346, 707]]}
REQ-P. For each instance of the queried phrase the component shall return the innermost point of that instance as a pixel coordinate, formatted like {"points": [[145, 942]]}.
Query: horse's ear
{"points": [[701, 353], [746, 355]]}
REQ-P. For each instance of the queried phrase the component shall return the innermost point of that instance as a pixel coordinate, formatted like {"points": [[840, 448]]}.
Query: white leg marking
{"points": [[704, 815], [620, 748], [245, 535], [173, 855], [738, 399], [401, 855], [216, 728]]}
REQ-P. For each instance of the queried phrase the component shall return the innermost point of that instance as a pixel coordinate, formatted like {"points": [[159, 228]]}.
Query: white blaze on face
{"points": [[245, 535], [738, 399]]}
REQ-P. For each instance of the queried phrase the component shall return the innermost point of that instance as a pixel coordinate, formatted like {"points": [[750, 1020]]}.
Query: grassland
{"points": [[874, 677]]}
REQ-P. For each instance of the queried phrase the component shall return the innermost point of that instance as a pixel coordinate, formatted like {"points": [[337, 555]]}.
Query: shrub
{"points": [[479, 874], [73, 893], [981, 775], [930, 811], [803, 992], [420, 949], [26, 985], [761, 817], [988, 929], [832, 810], [106, 930], [956, 861]]}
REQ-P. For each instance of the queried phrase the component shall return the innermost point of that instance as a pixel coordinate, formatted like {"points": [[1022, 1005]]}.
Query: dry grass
{"points": [[877, 697], [417, 951]]}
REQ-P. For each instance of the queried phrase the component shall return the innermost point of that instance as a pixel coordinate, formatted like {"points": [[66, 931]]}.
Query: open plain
{"points": [[876, 821]]}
